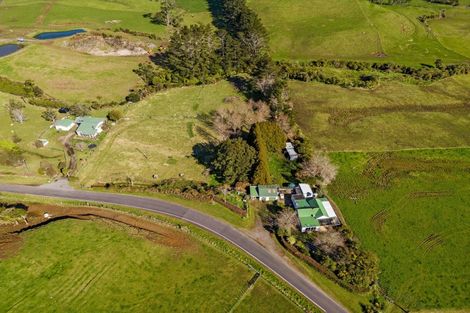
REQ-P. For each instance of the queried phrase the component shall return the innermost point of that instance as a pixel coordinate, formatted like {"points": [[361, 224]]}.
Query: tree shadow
{"points": [[215, 8], [204, 153]]}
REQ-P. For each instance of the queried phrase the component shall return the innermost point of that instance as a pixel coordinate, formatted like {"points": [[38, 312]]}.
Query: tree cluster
{"points": [[311, 71], [342, 255], [231, 122]]}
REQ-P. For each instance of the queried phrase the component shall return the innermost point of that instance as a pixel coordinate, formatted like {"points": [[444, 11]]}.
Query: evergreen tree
{"points": [[192, 54], [234, 160]]}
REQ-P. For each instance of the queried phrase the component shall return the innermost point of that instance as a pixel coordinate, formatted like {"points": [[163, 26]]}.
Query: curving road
{"points": [[224, 230]]}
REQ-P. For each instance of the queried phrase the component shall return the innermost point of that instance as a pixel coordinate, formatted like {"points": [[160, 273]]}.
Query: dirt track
{"points": [[10, 241]]}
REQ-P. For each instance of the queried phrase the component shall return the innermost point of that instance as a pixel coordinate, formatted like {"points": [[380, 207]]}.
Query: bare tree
{"points": [[319, 166], [15, 109], [230, 121], [287, 220]]}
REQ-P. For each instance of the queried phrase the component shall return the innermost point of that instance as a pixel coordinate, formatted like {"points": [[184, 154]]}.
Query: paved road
{"points": [[224, 230]]}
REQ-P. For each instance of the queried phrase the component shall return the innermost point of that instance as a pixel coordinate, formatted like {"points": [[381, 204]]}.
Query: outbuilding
{"points": [[291, 153]]}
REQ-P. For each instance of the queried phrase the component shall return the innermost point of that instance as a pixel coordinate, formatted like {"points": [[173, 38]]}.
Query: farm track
{"points": [[227, 232]]}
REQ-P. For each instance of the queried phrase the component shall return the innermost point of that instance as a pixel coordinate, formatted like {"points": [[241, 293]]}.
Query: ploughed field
{"points": [[100, 266]]}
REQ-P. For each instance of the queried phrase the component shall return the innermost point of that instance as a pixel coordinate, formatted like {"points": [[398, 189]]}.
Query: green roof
{"points": [[268, 190], [253, 191], [88, 125], [310, 210], [64, 122], [308, 217]]}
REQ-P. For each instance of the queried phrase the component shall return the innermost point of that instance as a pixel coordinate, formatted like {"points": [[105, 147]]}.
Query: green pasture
{"points": [[72, 76], [357, 29], [393, 115], [29, 16], [94, 266], [157, 137], [411, 208], [35, 127]]}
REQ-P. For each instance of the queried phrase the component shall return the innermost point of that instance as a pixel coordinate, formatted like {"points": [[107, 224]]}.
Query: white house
{"points": [[64, 124]]}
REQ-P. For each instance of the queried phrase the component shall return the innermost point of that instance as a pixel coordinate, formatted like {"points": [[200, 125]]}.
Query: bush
{"points": [[114, 115], [79, 110]]}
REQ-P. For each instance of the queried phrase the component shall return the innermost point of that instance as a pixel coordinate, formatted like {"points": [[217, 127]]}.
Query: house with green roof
{"points": [[265, 192], [89, 126], [314, 213], [64, 124]]}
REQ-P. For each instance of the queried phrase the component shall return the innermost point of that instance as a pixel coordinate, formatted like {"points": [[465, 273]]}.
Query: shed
{"points": [[292, 154]]}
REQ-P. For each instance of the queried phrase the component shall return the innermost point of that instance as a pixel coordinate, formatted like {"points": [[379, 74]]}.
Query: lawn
{"points": [[96, 266], [394, 115], [157, 137], [357, 29], [73, 76], [411, 208]]}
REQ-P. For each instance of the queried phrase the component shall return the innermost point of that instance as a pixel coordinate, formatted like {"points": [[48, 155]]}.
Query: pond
{"points": [[61, 34], [9, 49]]}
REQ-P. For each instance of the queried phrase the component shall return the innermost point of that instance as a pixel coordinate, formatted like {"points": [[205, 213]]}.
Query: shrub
{"points": [[114, 115]]}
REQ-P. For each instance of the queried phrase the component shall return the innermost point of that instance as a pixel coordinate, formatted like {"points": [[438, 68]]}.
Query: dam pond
{"points": [[59, 34]]}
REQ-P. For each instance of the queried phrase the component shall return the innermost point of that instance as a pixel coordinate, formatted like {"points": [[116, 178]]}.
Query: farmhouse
{"points": [[64, 124], [89, 126], [291, 153], [313, 212], [265, 192]]}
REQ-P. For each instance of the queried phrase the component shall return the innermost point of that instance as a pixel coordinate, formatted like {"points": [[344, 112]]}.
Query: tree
{"points": [[261, 175], [318, 166], [231, 121], [114, 115], [272, 135], [286, 220], [192, 55], [15, 108], [168, 14], [79, 110], [234, 160], [49, 115]]}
